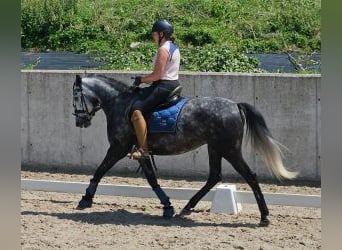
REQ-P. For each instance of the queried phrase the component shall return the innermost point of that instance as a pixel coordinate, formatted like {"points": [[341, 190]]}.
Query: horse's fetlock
{"points": [[87, 198], [168, 212], [167, 204], [91, 189], [164, 199]]}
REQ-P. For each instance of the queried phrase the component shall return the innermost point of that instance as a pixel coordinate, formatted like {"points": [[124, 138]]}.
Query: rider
{"points": [[163, 80]]}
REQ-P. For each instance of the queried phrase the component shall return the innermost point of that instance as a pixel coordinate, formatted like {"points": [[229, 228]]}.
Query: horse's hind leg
{"points": [[243, 169], [152, 180], [215, 164]]}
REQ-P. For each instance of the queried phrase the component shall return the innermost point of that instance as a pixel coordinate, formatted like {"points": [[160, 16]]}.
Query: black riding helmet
{"points": [[162, 25]]}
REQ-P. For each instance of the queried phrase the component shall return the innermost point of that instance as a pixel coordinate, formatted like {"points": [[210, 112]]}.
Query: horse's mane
{"points": [[116, 84]]}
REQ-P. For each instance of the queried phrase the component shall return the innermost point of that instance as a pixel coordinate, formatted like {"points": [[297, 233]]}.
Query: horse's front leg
{"points": [[152, 180], [114, 154]]}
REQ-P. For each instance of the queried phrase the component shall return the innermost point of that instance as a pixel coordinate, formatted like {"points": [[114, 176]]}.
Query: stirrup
{"points": [[138, 153]]}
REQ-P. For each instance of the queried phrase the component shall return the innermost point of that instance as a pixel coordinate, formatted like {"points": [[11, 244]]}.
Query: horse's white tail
{"points": [[263, 142]]}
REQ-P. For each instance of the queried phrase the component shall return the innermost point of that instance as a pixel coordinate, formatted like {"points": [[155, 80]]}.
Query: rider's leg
{"points": [[145, 106], [140, 128]]}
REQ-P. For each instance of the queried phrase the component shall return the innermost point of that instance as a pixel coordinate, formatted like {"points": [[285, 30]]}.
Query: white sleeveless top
{"points": [[172, 66]]}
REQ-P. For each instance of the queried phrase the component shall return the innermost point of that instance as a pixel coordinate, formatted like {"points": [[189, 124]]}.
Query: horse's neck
{"points": [[100, 89], [113, 101]]}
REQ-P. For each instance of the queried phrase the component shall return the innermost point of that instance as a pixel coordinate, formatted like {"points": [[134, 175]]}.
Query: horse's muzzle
{"points": [[82, 122]]}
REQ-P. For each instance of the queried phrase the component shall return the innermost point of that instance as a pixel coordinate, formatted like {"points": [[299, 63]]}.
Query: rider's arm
{"points": [[159, 67]]}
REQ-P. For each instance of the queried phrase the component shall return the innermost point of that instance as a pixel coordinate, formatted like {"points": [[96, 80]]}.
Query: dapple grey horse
{"points": [[217, 122]]}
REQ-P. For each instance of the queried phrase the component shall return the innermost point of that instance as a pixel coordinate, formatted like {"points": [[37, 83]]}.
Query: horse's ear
{"points": [[78, 81]]}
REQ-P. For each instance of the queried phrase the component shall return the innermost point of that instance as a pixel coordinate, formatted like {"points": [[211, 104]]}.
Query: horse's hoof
{"points": [[264, 222], [184, 212], [168, 212], [84, 203]]}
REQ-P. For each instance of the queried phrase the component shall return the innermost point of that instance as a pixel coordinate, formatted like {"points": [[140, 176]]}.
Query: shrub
{"points": [[222, 30], [198, 37], [216, 59]]}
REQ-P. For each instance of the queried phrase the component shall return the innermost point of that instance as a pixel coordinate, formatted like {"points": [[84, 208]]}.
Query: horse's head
{"points": [[85, 103]]}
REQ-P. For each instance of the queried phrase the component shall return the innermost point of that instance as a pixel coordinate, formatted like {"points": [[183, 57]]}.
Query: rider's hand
{"points": [[137, 81]]}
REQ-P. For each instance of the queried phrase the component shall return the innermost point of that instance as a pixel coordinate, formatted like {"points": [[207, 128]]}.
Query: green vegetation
{"points": [[213, 35]]}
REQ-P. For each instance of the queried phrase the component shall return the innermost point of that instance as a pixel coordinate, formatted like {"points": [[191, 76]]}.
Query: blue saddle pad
{"points": [[164, 120]]}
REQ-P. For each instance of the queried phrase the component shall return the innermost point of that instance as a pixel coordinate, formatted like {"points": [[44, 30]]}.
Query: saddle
{"points": [[164, 117], [172, 99]]}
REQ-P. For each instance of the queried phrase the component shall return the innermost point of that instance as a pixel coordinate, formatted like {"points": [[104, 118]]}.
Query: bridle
{"points": [[82, 111]]}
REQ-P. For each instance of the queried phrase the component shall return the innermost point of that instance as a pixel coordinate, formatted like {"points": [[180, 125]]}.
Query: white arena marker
{"points": [[224, 200]]}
